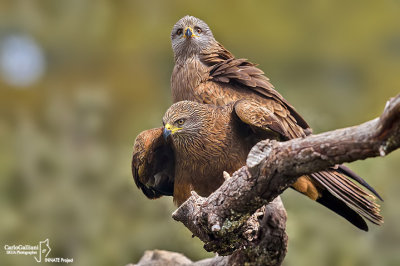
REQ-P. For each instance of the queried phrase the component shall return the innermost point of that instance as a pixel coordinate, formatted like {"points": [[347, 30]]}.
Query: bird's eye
{"points": [[198, 30], [180, 122], [179, 31]]}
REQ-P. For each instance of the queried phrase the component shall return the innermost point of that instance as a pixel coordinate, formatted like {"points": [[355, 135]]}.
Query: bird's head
{"points": [[189, 36], [184, 122]]}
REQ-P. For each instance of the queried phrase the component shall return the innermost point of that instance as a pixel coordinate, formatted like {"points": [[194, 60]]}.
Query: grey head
{"points": [[184, 122], [190, 36]]}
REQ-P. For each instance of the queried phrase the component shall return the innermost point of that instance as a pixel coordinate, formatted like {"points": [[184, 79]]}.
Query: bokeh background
{"points": [[80, 79]]}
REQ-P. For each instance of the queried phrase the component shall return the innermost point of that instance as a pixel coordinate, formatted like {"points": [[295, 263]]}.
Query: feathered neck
{"points": [[213, 54]]}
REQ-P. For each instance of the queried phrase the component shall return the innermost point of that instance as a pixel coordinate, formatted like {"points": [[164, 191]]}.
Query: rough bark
{"points": [[228, 221]]}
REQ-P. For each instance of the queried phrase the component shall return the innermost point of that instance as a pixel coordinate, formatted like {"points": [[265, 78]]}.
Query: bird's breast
{"points": [[186, 78], [202, 169]]}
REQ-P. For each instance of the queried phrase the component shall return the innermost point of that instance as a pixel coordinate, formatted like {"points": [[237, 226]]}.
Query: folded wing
{"points": [[153, 164]]}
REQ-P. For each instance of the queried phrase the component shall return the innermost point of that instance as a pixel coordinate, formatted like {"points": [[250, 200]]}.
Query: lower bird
{"points": [[198, 142]]}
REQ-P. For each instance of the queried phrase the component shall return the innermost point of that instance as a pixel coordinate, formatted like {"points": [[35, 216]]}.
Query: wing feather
{"points": [[227, 69], [153, 164], [353, 196], [262, 117]]}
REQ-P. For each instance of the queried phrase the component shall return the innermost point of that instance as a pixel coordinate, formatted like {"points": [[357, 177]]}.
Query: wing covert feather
{"points": [[259, 116], [246, 75]]}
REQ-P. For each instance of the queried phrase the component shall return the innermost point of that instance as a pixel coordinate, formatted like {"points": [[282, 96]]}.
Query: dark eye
{"points": [[180, 122], [179, 32], [198, 30]]}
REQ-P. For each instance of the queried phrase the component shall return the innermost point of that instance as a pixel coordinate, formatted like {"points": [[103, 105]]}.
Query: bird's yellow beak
{"points": [[169, 130], [189, 33]]}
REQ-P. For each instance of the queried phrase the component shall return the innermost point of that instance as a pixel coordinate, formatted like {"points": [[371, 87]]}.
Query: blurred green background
{"points": [[80, 79]]}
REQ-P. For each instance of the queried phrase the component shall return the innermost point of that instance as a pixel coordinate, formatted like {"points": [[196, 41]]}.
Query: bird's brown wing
{"points": [[153, 164], [259, 116], [246, 75]]}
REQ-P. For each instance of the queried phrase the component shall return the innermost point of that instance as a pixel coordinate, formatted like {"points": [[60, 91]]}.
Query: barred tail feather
{"points": [[348, 172], [354, 198]]}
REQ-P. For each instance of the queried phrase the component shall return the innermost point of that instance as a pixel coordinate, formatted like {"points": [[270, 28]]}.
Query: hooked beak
{"points": [[188, 32], [169, 130], [166, 133]]}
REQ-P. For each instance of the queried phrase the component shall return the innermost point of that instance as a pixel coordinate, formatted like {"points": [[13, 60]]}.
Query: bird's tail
{"points": [[347, 199]]}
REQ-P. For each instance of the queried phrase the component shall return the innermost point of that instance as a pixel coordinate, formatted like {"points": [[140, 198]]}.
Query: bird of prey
{"points": [[208, 73], [200, 141]]}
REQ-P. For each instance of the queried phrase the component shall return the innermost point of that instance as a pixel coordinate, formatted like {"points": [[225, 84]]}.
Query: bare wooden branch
{"points": [[263, 236], [272, 167]]}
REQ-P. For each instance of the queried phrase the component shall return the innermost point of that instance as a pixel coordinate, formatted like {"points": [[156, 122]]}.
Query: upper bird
{"points": [[208, 73]]}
